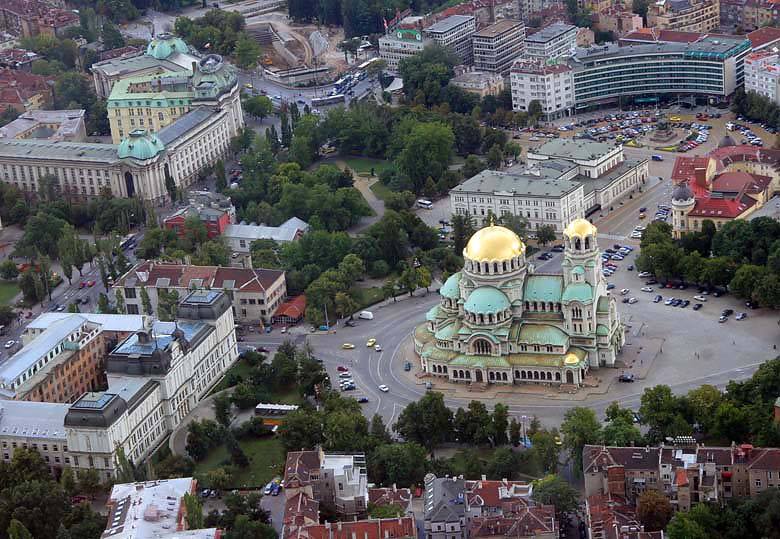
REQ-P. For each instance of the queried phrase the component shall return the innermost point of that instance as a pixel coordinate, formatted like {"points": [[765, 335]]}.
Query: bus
{"points": [[329, 100], [127, 242], [424, 203], [368, 63], [273, 414]]}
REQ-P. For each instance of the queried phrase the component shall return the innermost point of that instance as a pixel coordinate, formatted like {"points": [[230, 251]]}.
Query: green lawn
{"points": [[266, 459], [8, 291], [240, 368], [366, 296], [365, 164], [380, 190]]}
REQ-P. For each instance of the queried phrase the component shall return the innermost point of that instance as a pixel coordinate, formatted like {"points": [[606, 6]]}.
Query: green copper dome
{"points": [[140, 145], [164, 45], [451, 288], [486, 299], [581, 292]]}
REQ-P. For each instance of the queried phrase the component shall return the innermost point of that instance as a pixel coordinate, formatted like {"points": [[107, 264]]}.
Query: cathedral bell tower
{"points": [[582, 260]]}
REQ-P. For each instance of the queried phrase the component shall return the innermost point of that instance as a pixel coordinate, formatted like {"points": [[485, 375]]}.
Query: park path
{"points": [[203, 410], [363, 184]]}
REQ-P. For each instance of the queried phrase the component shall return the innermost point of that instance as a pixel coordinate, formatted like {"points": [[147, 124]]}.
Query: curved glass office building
{"points": [[711, 67]]}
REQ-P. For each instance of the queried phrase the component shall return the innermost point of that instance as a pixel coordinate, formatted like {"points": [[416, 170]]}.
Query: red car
{"points": [[342, 368], [82, 284], [90, 283]]}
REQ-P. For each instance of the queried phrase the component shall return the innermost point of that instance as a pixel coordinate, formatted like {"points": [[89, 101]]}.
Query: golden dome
{"points": [[580, 228], [493, 243], [571, 359]]}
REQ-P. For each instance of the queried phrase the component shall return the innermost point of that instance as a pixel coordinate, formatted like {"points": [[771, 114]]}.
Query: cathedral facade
{"points": [[499, 321]]}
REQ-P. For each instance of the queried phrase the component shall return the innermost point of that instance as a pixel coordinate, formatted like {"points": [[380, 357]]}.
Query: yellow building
{"points": [[697, 16]]}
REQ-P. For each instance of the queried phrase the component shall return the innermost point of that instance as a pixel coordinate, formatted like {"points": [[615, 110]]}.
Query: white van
{"points": [[424, 203], [366, 315]]}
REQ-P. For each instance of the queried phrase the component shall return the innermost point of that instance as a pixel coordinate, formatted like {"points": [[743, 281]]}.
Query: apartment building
{"points": [[551, 43], [154, 376], [22, 91], [684, 15], [762, 74], [497, 46], [402, 42], [454, 33], [153, 509], [334, 480], [481, 83], [551, 85], [255, 293], [28, 18], [613, 517], [21, 59], [618, 22]]}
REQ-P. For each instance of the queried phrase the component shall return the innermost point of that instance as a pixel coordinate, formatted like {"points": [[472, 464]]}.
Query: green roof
{"points": [[543, 288], [447, 331], [582, 292], [603, 305], [140, 145], [432, 313], [486, 299], [601, 329], [578, 270], [422, 334], [165, 45], [451, 288], [479, 361], [431, 351], [542, 334]]}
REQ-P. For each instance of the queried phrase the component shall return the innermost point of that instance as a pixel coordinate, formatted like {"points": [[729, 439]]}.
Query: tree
{"points": [[222, 404], [247, 51], [579, 428], [545, 448], [16, 530], [427, 421], [553, 490], [462, 230], [654, 510], [259, 106], [659, 410], [218, 478], [194, 511], [402, 464], [495, 157], [545, 234], [427, 151], [8, 270], [535, 110], [146, 303], [38, 505], [514, 432], [500, 421], [112, 38], [472, 166]]}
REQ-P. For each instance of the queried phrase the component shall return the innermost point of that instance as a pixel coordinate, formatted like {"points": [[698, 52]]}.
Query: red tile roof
{"points": [[491, 493], [386, 528], [298, 466], [292, 308], [390, 496], [661, 36], [688, 168], [740, 182], [765, 459], [148, 273], [529, 522], [612, 517], [19, 86], [681, 477], [763, 36], [127, 50], [596, 457], [301, 510], [721, 208]]}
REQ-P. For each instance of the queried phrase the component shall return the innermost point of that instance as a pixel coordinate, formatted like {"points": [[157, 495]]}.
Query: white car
{"points": [[669, 301], [377, 348], [644, 274], [700, 298], [9, 344], [624, 292], [647, 289], [383, 388], [632, 300]]}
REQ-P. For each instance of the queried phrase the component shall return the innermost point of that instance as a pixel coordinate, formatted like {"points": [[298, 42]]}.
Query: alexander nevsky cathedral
{"points": [[501, 322]]}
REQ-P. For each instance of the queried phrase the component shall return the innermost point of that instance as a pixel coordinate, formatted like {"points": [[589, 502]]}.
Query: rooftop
{"points": [[287, 231], [108, 322], [712, 47], [149, 273], [576, 149], [161, 337], [548, 33], [66, 123], [528, 184], [33, 419], [59, 150], [447, 24], [186, 123], [763, 37], [499, 28]]}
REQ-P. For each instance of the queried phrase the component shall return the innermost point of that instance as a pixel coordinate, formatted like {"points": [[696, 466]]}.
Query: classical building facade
{"points": [[501, 322]]}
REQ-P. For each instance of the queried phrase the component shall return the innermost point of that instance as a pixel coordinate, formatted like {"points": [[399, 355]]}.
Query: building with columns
{"points": [[501, 322]]}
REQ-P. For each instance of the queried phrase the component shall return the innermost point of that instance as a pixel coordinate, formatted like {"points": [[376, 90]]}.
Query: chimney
{"points": [[194, 67]]}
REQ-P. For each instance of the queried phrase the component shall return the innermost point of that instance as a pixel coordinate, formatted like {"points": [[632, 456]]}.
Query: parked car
{"points": [[626, 377], [741, 316], [697, 306], [658, 298]]}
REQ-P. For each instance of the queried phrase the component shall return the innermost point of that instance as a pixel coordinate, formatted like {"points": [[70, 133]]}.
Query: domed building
{"points": [[499, 321]]}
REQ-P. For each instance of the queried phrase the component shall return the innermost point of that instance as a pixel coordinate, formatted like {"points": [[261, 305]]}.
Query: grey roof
{"points": [[39, 347], [117, 66], [286, 232], [56, 150], [606, 179], [445, 499], [162, 335], [548, 33], [108, 322], [714, 45], [682, 192], [68, 123], [577, 149], [186, 123], [445, 25], [296, 223], [491, 181], [33, 419]]}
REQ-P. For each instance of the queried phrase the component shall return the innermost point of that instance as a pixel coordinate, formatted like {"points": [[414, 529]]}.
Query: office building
{"points": [[454, 33], [762, 74], [497, 46], [684, 15], [551, 43], [551, 85], [404, 41], [712, 66], [153, 509], [255, 293]]}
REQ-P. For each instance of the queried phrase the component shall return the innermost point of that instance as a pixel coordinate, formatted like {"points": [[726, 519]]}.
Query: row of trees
{"points": [[223, 32], [756, 107], [742, 255]]}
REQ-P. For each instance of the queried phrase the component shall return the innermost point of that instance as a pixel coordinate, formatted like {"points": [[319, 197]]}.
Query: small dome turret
{"points": [[140, 145], [164, 45], [682, 193]]}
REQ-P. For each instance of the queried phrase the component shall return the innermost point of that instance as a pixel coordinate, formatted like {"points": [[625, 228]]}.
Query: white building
{"points": [[546, 195], [497, 46], [48, 125], [155, 377], [551, 85], [551, 42], [240, 237], [399, 44], [153, 509], [607, 176], [454, 33], [762, 74]]}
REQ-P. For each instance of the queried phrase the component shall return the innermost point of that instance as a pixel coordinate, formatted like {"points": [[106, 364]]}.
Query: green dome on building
{"points": [[451, 288], [164, 45], [486, 299], [140, 145]]}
